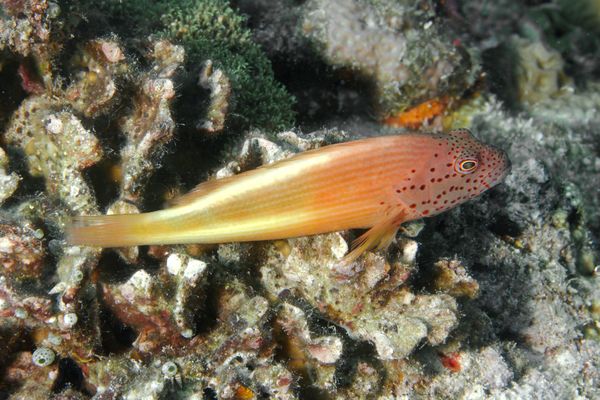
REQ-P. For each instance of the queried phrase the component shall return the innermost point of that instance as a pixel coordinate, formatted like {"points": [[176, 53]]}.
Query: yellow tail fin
{"points": [[111, 230]]}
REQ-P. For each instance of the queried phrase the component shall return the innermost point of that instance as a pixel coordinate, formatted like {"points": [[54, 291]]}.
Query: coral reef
{"points": [[363, 313], [150, 125], [117, 107], [57, 147], [379, 58], [232, 361], [160, 320], [386, 50], [208, 30]]}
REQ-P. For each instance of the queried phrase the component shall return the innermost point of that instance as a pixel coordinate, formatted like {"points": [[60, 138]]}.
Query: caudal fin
{"points": [[110, 230]]}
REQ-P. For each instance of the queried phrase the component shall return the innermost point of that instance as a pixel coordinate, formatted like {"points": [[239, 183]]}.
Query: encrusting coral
{"points": [[312, 357], [233, 359], [396, 44], [22, 251], [158, 319], [150, 124], [219, 85], [94, 89], [57, 147], [372, 294], [8, 181], [33, 28], [209, 30]]}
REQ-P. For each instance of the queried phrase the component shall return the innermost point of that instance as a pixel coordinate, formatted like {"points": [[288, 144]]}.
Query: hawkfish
{"points": [[376, 183]]}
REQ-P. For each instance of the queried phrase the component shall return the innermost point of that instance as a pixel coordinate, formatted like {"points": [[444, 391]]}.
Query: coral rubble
{"points": [[150, 124], [8, 181], [372, 294]]}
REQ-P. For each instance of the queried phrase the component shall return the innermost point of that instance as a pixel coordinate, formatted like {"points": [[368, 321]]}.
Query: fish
{"points": [[376, 183]]}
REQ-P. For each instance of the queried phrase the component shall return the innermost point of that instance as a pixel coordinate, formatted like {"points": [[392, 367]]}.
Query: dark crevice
{"points": [[209, 394], [206, 319], [69, 376], [116, 337], [502, 225]]}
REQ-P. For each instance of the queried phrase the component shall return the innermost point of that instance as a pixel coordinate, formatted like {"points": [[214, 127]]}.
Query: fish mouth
{"points": [[502, 155], [507, 165]]}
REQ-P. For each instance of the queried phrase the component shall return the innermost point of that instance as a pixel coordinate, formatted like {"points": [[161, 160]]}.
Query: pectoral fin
{"points": [[379, 236]]}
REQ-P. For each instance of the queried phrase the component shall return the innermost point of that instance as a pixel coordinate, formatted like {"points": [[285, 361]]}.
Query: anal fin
{"points": [[378, 237]]}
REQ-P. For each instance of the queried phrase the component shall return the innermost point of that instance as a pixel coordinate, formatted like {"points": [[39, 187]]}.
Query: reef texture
{"points": [[121, 106], [398, 45], [399, 50], [8, 181], [211, 32]]}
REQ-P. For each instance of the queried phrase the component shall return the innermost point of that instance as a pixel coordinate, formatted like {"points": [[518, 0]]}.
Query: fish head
{"points": [[461, 168]]}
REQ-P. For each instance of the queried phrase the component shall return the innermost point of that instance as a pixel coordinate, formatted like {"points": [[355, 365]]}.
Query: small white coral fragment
{"points": [[190, 275], [43, 356], [150, 125], [8, 181], [217, 82], [139, 286]]}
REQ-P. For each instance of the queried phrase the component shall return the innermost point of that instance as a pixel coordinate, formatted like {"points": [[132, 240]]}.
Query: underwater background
{"points": [[121, 106]]}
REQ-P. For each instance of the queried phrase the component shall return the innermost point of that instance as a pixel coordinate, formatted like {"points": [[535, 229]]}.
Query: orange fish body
{"points": [[375, 183]]}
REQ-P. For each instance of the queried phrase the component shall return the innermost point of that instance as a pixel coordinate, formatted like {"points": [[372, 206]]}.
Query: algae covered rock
{"points": [[394, 321], [8, 181], [58, 147], [210, 30], [398, 45]]}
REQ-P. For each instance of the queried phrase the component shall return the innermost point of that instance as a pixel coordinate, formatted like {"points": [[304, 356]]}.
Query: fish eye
{"points": [[466, 166]]}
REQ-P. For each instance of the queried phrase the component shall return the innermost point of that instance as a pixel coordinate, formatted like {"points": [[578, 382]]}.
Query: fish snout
{"points": [[507, 163]]}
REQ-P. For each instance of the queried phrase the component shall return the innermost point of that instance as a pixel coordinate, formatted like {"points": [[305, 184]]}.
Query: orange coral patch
{"points": [[451, 361], [415, 117], [244, 393]]}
